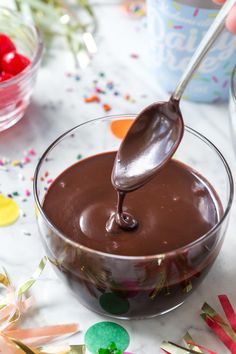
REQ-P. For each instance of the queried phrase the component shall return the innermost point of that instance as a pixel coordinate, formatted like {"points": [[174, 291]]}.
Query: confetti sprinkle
{"points": [[106, 107], [110, 85], [50, 180], [9, 211], [196, 12], [102, 334], [79, 157], [32, 152], [27, 193], [99, 90], [127, 97], [212, 15], [26, 160], [15, 163], [134, 56], [225, 83], [91, 99], [26, 233], [176, 6]]}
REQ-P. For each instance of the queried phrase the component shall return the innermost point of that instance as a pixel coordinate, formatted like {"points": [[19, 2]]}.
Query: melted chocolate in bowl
{"points": [[174, 209]]}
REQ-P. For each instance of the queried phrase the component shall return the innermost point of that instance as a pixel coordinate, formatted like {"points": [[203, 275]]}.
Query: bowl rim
{"points": [[36, 55], [232, 85], [126, 257]]}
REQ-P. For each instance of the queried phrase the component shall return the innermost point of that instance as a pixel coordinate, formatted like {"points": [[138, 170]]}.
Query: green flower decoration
{"points": [[112, 349]]}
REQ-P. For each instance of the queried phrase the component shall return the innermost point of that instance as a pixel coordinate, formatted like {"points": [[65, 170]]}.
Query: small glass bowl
{"points": [[232, 107], [128, 287], [15, 93]]}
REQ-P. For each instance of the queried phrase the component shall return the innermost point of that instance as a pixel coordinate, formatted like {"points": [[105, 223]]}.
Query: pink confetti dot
{"points": [[26, 160], [32, 152], [196, 12], [27, 193], [134, 56], [225, 83], [214, 78]]}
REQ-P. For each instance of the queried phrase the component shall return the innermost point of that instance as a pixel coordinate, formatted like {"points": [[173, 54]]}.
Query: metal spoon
{"points": [[158, 129]]}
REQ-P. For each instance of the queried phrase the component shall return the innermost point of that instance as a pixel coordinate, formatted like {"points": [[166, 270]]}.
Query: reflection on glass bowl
{"points": [[232, 107]]}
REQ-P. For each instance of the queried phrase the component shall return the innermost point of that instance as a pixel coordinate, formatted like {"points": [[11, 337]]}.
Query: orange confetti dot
{"points": [[120, 127], [106, 107], [91, 99]]}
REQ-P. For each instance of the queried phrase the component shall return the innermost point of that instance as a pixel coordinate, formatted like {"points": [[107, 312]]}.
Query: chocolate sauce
{"points": [[175, 208]]}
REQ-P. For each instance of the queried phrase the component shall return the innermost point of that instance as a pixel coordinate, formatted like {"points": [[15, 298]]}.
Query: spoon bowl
{"points": [[149, 144]]}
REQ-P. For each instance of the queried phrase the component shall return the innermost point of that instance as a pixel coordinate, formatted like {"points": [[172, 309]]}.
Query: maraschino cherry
{"points": [[11, 62]]}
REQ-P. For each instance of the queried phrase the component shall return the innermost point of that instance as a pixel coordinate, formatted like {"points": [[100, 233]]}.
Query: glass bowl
{"points": [[232, 107], [15, 93], [128, 287]]}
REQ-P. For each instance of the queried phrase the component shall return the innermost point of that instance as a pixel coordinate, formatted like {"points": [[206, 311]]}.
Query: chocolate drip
{"points": [[120, 219]]}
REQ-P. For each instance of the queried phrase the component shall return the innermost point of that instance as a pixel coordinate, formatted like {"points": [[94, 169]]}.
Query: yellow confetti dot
{"points": [[212, 15], [9, 211], [15, 162]]}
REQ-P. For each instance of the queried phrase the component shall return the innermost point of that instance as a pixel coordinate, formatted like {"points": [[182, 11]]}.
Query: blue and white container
{"points": [[176, 28]]}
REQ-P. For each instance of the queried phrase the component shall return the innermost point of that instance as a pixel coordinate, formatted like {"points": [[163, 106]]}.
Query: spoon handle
{"points": [[203, 48]]}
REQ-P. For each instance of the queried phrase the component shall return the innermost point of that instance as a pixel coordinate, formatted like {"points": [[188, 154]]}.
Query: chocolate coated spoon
{"points": [[158, 129]]}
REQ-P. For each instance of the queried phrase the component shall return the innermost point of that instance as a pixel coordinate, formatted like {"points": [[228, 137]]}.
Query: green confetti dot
{"points": [[15, 194], [114, 304], [102, 334]]}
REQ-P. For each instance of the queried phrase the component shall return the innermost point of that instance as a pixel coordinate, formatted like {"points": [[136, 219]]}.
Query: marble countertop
{"points": [[58, 105]]}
